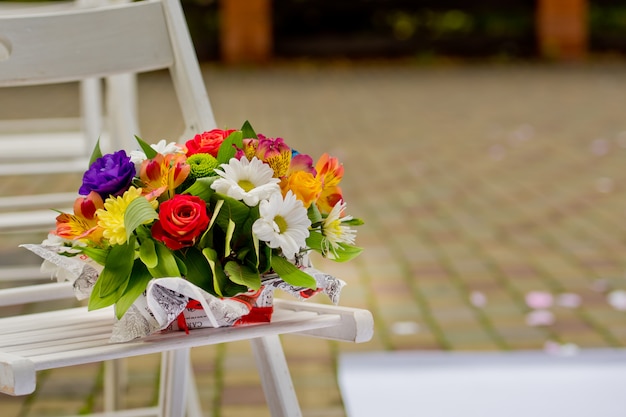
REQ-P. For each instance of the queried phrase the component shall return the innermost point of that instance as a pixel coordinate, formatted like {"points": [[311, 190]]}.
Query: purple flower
{"points": [[111, 174]]}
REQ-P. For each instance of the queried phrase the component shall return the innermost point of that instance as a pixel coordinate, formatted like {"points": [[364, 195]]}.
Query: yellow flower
{"points": [[304, 185], [111, 218]]}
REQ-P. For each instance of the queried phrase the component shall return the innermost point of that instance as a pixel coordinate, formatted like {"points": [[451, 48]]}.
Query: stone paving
{"points": [[479, 185]]}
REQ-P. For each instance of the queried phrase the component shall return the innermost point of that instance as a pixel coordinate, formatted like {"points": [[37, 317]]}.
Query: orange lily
{"points": [[83, 224], [329, 174], [162, 174]]}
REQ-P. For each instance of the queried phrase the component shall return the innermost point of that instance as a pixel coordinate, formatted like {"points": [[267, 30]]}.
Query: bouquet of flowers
{"points": [[218, 221]]}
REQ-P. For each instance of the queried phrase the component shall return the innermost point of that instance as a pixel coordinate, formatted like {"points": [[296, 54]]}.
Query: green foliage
{"points": [[247, 131], [228, 148], [199, 272], [146, 148], [167, 265], [137, 283], [96, 254], [291, 274], [113, 279], [96, 153], [138, 212], [243, 275]]}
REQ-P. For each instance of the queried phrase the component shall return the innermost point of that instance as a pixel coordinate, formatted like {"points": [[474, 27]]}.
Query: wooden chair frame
{"points": [[133, 38]]}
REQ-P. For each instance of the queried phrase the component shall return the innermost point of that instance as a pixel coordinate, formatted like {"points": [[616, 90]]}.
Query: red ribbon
{"points": [[182, 323], [256, 314]]}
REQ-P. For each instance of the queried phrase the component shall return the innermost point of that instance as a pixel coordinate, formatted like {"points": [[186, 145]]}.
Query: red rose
{"points": [[181, 220], [207, 142]]}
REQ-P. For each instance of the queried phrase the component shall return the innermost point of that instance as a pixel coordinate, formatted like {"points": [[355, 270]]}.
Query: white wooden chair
{"points": [[59, 145], [137, 37], [35, 342]]}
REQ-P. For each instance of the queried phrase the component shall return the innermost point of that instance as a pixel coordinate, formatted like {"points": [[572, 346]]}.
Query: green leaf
{"points": [[265, 258], [202, 188], [96, 153], [138, 212], [113, 279], [180, 263], [167, 266], [315, 240], [228, 148], [291, 274], [199, 271], [353, 222], [147, 253], [342, 253], [346, 252], [314, 214], [232, 211], [98, 255], [256, 243], [117, 268], [146, 148], [139, 279], [219, 277], [240, 274], [229, 236], [97, 302], [207, 236], [247, 131]]}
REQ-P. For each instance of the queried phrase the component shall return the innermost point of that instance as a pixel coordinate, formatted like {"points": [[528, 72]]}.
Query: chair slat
{"points": [[70, 342], [83, 43], [57, 318]]}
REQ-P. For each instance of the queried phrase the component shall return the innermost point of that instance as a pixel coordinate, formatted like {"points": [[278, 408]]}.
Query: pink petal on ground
{"points": [[540, 318], [478, 299], [539, 299], [569, 300], [617, 299], [565, 349], [600, 147], [600, 285]]}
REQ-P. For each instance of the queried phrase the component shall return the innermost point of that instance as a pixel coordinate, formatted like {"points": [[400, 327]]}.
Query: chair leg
{"points": [[115, 383], [175, 367], [194, 408], [277, 386]]}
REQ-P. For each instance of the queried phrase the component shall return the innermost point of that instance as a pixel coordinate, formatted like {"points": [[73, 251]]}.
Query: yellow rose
{"points": [[304, 185]]}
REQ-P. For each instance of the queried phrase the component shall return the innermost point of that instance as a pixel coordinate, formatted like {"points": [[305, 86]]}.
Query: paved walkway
{"points": [[478, 185]]}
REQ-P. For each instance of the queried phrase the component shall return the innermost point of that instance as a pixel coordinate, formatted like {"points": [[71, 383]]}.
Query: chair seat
{"points": [[76, 336]]}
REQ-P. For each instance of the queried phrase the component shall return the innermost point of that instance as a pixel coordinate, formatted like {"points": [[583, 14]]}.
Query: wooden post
{"points": [[246, 31], [562, 29]]}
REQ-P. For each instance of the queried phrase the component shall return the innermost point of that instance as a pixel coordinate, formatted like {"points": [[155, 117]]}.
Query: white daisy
{"points": [[335, 232], [250, 181], [283, 223], [162, 147]]}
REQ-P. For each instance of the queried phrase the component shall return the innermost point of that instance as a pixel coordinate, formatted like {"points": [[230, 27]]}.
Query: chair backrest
{"points": [[105, 41], [62, 44]]}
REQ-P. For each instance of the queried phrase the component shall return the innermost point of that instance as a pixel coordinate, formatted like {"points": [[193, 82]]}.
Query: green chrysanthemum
{"points": [[202, 165]]}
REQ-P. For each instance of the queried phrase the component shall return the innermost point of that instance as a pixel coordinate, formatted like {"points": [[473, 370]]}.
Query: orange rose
{"points": [[207, 142]]}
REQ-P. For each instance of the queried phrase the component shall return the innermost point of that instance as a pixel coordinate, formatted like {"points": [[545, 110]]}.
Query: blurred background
{"points": [[237, 31], [484, 144], [419, 30]]}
